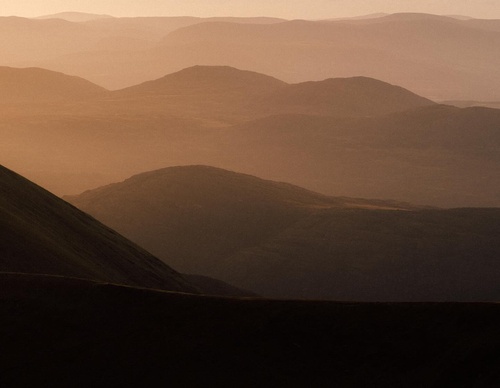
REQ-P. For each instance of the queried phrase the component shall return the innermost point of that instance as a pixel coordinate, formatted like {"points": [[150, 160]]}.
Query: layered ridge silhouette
{"points": [[355, 136], [439, 57]]}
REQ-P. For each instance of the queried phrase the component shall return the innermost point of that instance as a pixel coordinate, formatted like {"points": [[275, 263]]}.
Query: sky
{"points": [[289, 9]]}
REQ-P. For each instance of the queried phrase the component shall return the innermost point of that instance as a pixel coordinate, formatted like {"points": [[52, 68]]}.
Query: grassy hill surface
{"points": [[280, 240], [79, 333]]}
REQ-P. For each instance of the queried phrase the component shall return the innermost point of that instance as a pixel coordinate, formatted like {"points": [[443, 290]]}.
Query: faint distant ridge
{"points": [[76, 17], [361, 17], [266, 95], [355, 96], [206, 80], [40, 85]]}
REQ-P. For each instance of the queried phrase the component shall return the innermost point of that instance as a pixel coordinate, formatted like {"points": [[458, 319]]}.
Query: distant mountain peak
{"points": [[207, 79]]}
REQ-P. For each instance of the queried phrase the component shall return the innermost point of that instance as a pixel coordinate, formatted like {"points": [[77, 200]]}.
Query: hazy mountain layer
{"points": [[42, 234], [184, 118], [441, 58], [80, 334], [39, 86], [282, 241]]}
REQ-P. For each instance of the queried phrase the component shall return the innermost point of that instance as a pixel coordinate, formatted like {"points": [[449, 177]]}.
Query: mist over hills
{"points": [[344, 108], [282, 241], [439, 155], [356, 137], [215, 91], [438, 57]]}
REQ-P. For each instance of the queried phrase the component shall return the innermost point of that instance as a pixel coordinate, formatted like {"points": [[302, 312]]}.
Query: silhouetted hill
{"points": [[213, 90], [207, 80], [282, 241], [345, 97], [33, 85], [44, 235], [441, 58], [434, 56], [81, 334], [203, 214]]}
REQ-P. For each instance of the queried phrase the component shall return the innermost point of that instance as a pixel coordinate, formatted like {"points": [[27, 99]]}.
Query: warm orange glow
{"points": [[317, 9]]}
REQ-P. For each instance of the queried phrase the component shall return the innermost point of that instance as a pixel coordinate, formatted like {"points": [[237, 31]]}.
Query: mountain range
{"points": [[438, 57], [356, 137], [375, 265]]}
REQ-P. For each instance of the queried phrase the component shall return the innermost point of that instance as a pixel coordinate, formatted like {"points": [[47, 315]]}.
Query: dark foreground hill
{"points": [[280, 240], [42, 234], [81, 334]]}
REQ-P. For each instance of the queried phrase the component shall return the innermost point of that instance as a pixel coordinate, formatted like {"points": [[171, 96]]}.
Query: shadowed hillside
{"points": [[201, 214], [282, 241], [80, 334], [44, 235]]}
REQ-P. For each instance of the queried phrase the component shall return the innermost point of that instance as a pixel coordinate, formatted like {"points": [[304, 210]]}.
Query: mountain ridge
{"points": [[281, 241]]}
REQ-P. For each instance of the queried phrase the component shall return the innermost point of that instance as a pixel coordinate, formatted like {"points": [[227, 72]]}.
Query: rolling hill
{"points": [[42, 234], [80, 334], [223, 88], [33, 85], [282, 241], [206, 81], [342, 97]]}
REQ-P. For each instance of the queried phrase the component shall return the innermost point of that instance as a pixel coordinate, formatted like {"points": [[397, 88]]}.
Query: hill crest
{"points": [[36, 85]]}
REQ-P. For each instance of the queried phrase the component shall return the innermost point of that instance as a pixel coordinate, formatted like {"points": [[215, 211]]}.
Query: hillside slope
{"points": [[279, 240], [201, 214], [42, 234]]}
